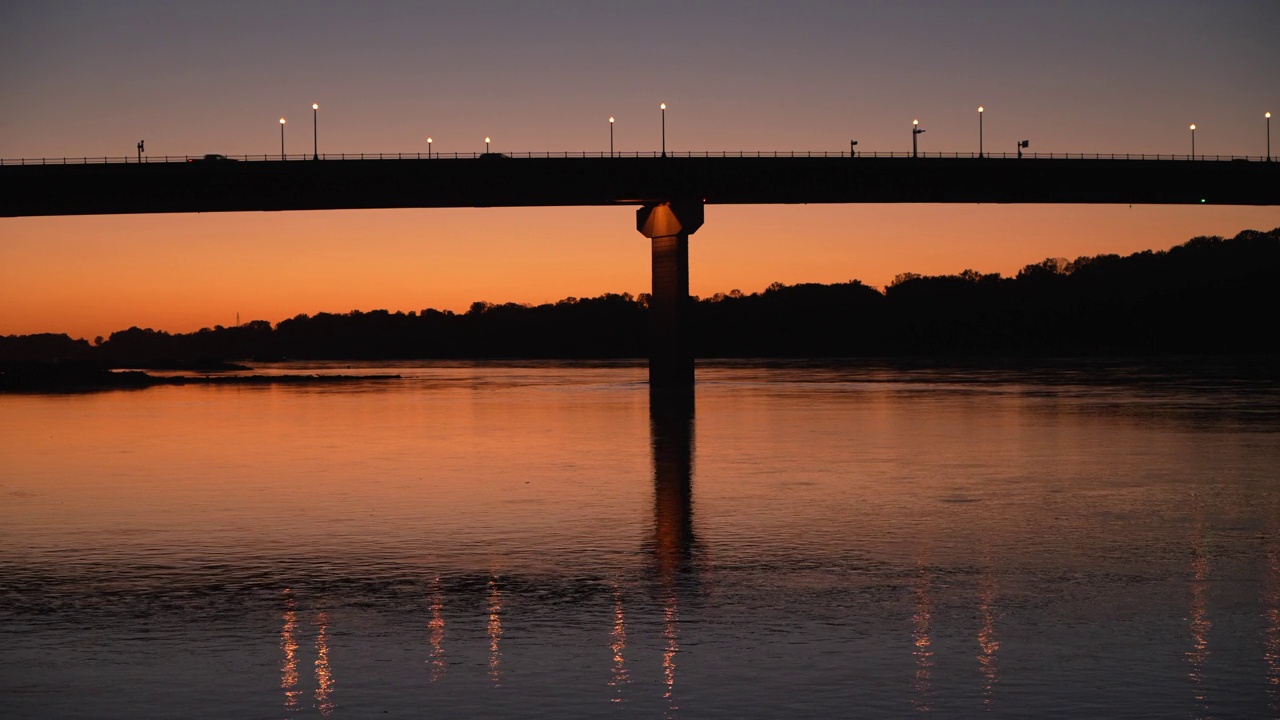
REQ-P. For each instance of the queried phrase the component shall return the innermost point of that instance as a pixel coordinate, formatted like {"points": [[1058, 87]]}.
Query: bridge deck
{"points": [[231, 186]]}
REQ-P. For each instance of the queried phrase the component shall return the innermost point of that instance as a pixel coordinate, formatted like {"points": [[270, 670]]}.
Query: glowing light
{"points": [[315, 106], [1268, 116], [486, 139], [663, 106], [1193, 126], [610, 118], [979, 108], [281, 121], [915, 122]]}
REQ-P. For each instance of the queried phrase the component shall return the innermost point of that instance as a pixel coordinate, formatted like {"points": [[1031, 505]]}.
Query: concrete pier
{"points": [[668, 226]]}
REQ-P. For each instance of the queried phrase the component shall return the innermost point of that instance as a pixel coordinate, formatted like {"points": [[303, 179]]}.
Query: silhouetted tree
{"points": [[1206, 296]]}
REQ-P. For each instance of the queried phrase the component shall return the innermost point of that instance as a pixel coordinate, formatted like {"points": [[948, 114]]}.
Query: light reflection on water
{"points": [[1272, 611], [289, 644], [816, 539], [438, 662], [495, 633], [618, 644], [324, 673], [922, 622], [1199, 622], [988, 640]]}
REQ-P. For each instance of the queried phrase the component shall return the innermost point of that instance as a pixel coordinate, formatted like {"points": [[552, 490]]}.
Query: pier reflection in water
{"points": [[550, 541], [671, 420]]}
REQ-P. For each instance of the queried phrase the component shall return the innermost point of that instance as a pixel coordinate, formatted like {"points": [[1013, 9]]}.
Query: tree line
{"points": [[1208, 296]]}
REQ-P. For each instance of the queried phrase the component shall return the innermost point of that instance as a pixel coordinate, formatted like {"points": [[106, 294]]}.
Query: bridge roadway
{"points": [[670, 193], [234, 186]]}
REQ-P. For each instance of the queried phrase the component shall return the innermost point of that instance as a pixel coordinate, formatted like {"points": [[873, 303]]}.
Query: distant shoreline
{"points": [[79, 378], [1209, 296]]}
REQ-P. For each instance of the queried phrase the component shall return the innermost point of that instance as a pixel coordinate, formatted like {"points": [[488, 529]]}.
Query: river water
{"points": [[538, 540]]}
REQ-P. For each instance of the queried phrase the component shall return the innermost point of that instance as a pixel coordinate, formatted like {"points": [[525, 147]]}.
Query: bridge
{"points": [[669, 190]]}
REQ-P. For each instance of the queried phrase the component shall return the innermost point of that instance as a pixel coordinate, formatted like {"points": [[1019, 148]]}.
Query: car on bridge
{"points": [[212, 157]]}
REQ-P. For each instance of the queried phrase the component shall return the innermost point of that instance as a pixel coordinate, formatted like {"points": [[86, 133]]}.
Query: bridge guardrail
{"points": [[130, 160]]}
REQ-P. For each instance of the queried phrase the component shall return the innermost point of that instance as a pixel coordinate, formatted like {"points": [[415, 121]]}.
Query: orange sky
{"points": [[88, 276], [1080, 77]]}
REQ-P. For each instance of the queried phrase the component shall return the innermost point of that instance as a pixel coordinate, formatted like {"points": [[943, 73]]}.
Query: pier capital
{"points": [[669, 219]]}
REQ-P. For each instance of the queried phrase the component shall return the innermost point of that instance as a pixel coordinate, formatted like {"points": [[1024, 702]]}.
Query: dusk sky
{"points": [[91, 78]]}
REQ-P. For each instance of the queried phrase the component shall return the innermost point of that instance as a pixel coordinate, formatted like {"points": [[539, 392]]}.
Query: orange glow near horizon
{"points": [[89, 276]]}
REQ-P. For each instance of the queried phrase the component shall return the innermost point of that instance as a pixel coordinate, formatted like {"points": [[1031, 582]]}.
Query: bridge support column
{"points": [[669, 225]]}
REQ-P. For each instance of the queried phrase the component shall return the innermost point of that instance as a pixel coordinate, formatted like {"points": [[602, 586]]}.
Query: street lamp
{"points": [[915, 130], [281, 138], [429, 141], [1022, 144], [980, 111], [486, 144], [1268, 136], [663, 107], [315, 131], [852, 152], [610, 136], [1193, 141]]}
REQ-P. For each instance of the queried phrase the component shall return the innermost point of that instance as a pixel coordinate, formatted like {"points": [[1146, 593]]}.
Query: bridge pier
{"points": [[668, 225]]}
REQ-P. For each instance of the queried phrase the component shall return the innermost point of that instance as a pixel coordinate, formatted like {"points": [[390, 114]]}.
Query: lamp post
{"points": [[429, 141], [142, 145], [980, 111], [486, 144], [915, 130], [315, 131], [1268, 136], [1193, 141], [852, 152], [281, 138], [1022, 144], [663, 107], [610, 136]]}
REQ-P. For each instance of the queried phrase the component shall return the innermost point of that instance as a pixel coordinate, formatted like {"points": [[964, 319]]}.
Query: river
{"points": [[537, 540]]}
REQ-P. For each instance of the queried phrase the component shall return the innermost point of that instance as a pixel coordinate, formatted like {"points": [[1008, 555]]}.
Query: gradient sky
{"points": [[91, 78]]}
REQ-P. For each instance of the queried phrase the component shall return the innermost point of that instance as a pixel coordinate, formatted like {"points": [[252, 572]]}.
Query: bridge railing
{"points": [[202, 159]]}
